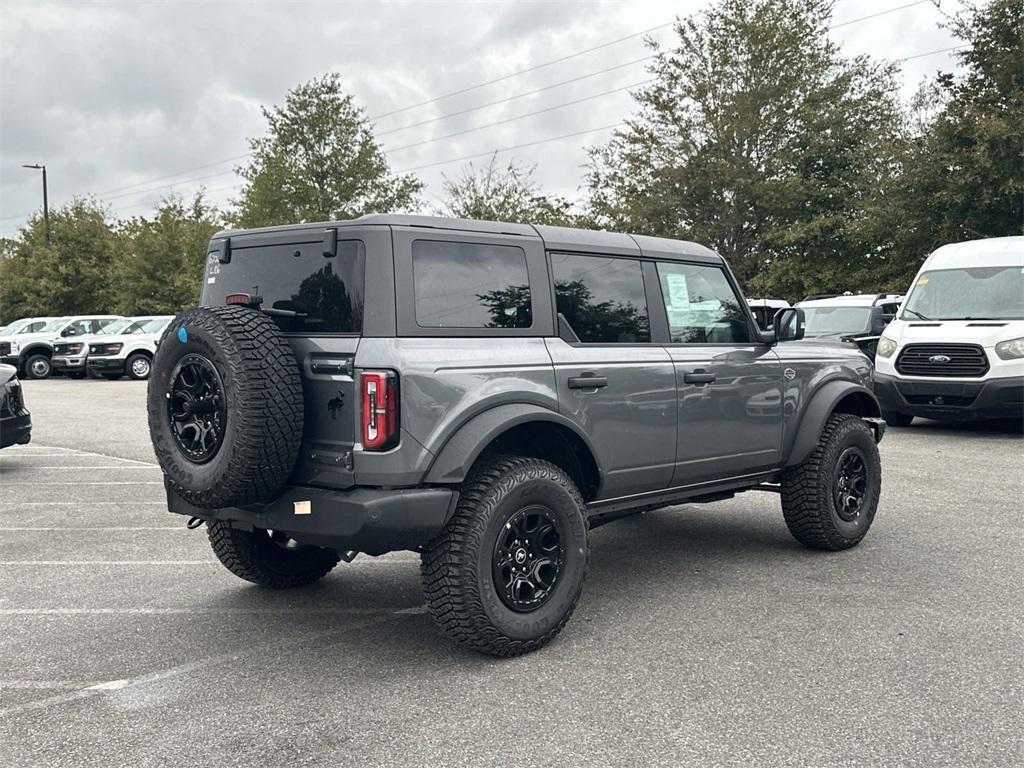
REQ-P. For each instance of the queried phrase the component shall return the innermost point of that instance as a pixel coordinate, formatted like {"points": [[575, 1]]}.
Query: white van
{"points": [[956, 350]]}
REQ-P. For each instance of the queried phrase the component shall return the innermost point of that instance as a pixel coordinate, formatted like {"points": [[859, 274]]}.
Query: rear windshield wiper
{"points": [[282, 312], [916, 313]]}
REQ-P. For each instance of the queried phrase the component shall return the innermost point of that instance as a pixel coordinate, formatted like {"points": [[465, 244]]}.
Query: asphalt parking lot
{"points": [[705, 634]]}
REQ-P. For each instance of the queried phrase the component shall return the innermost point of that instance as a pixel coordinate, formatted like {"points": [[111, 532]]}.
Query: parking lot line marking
{"points": [[72, 482], [311, 611], [193, 666], [94, 453], [98, 528], [43, 685], [79, 563], [82, 466], [14, 507]]}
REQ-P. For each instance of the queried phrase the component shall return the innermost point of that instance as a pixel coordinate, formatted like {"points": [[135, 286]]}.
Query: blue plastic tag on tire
{"points": [[182, 335]]}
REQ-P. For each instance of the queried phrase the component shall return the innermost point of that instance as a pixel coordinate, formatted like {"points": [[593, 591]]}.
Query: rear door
{"points": [[614, 381], [729, 382], [311, 282]]}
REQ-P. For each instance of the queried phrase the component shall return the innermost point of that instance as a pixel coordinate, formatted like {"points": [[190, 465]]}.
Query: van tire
{"points": [[459, 567], [232, 438], [810, 490], [257, 556]]}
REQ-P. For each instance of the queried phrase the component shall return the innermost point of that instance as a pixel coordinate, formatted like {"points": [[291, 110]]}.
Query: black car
{"points": [[15, 420]]}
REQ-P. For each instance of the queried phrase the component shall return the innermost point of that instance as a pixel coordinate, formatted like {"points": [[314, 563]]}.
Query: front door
{"points": [[617, 385], [729, 383]]}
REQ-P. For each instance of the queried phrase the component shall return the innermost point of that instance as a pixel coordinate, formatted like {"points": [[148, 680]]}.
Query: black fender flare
{"points": [[823, 403], [463, 448]]}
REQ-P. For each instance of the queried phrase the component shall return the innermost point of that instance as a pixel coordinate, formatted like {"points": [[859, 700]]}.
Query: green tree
{"points": [[319, 161], [160, 268], [758, 138], [502, 194], [963, 177], [71, 275]]}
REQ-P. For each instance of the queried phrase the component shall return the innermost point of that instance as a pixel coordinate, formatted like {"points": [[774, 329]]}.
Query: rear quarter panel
{"points": [[444, 382]]}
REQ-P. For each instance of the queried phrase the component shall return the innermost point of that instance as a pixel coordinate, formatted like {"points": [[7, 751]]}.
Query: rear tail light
{"points": [[378, 392]]}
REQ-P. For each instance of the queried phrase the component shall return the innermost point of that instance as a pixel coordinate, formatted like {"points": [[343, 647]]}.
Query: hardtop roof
{"points": [[554, 238]]}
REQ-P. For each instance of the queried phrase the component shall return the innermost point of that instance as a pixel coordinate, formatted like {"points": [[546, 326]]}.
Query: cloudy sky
{"points": [[129, 101]]}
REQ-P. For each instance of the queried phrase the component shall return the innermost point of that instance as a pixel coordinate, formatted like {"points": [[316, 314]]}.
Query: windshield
{"points": [[824, 320], [53, 325], [115, 328], [975, 293], [144, 325]]}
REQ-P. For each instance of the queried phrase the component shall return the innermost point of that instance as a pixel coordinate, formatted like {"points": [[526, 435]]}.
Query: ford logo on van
{"points": [[939, 359]]}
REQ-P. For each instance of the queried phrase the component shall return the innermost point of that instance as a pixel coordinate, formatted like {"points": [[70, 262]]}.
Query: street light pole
{"points": [[46, 201]]}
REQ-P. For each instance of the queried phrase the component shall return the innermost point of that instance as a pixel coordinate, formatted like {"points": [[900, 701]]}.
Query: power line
{"points": [[512, 98], [520, 117], [519, 72]]}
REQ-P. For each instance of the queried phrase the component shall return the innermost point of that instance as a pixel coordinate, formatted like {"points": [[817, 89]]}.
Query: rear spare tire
{"points": [[225, 406]]}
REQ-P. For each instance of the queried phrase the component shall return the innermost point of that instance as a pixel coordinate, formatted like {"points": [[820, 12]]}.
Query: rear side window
{"points": [[702, 306], [470, 285], [602, 298], [303, 291]]}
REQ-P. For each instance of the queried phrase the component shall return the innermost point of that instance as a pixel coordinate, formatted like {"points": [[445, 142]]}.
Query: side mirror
{"points": [[788, 324], [878, 324], [68, 332]]}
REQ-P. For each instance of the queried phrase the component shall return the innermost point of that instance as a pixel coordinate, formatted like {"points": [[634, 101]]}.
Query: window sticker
{"points": [[678, 293]]}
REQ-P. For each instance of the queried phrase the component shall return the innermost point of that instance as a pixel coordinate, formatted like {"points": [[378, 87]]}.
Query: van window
{"points": [[470, 285], [302, 290], [602, 298], [702, 306]]}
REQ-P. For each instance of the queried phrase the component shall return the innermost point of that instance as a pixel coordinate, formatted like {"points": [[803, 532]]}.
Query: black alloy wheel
{"points": [[196, 406], [849, 488], [528, 558]]}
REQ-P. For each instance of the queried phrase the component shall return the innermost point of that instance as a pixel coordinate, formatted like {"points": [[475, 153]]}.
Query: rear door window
{"points": [[470, 285], [602, 298], [303, 291]]}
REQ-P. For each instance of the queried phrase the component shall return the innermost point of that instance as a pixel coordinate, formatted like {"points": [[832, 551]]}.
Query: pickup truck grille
{"points": [[964, 360], [67, 348], [5, 348]]}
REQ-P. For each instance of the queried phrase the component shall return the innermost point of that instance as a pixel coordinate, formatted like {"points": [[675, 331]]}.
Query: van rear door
{"points": [[311, 283]]}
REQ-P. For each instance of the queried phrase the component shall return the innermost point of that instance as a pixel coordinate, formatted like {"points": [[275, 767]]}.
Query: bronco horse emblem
{"points": [[335, 404]]}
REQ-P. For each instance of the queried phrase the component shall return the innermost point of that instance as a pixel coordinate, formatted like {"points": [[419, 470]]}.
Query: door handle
{"points": [[587, 381], [699, 377]]}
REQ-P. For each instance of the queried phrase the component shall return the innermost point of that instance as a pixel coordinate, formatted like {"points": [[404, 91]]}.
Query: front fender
{"points": [[822, 404], [464, 447]]}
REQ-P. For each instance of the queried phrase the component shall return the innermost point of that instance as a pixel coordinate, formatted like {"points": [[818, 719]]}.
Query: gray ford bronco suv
{"points": [[484, 394]]}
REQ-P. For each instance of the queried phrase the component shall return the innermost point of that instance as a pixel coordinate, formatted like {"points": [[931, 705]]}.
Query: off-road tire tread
{"points": [[806, 502], [239, 552], [447, 564], [267, 405]]}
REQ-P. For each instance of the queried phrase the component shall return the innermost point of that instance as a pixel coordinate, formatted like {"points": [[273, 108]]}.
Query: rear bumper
{"points": [[370, 520], [15, 430], [952, 400], [106, 364]]}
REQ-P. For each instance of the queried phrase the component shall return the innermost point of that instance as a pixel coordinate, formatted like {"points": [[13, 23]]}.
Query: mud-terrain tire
{"points": [[894, 419], [511, 510], [225, 406], [37, 366], [271, 561], [829, 501]]}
